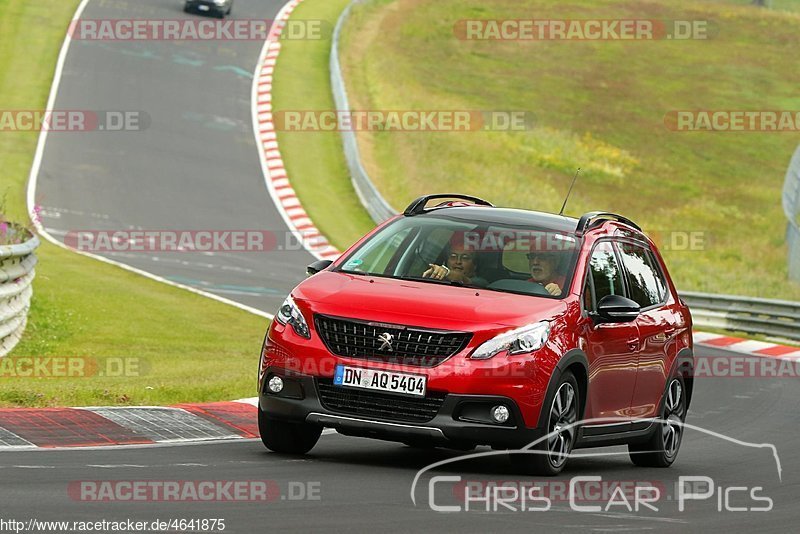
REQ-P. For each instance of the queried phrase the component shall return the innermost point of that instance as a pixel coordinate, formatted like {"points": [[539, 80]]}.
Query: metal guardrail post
{"points": [[17, 264], [377, 207], [791, 207]]}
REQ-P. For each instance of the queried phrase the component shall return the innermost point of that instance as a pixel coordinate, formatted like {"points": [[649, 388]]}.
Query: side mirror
{"points": [[318, 266], [616, 309]]}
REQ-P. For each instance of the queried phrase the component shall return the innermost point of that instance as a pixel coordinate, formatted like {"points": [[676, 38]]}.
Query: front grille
{"points": [[409, 345], [378, 404]]}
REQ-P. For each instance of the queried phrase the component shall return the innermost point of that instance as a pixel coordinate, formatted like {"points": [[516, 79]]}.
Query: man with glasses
{"points": [[545, 266]]}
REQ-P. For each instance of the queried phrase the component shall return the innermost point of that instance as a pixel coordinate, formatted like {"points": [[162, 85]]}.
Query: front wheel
{"points": [[662, 448], [552, 453], [286, 437]]}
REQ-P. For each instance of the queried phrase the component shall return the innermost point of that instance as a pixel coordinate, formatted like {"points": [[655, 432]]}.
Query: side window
{"points": [[644, 278], [605, 273]]}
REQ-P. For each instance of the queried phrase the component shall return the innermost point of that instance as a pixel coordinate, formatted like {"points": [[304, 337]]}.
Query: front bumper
{"points": [[461, 422]]}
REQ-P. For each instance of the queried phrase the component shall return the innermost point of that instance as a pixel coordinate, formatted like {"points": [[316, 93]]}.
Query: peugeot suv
{"points": [[462, 324]]}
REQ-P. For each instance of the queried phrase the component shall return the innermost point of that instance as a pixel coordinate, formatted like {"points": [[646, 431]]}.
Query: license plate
{"points": [[203, 8], [380, 380]]}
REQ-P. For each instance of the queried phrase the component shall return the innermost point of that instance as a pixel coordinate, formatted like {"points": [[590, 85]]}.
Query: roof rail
{"points": [[587, 219], [418, 206]]}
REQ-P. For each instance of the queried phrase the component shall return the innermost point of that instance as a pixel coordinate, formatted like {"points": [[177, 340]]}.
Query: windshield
{"points": [[443, 249]]}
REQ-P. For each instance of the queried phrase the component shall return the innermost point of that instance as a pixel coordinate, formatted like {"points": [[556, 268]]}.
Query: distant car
{"points": [[462, 324], [220, 8]]}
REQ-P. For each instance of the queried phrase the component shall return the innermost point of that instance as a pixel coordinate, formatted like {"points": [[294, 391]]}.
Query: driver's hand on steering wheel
{"points": [[437, 272], [553, 289]]}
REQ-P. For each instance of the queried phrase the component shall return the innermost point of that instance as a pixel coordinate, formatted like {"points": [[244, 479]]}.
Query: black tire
{"points": [[286, 437], [662, 448], [552, 453]]}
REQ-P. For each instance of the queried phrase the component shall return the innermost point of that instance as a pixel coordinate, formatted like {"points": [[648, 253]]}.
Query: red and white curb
{"points": [[747, 346], [49, 428], [277, 180], [53, 428]]}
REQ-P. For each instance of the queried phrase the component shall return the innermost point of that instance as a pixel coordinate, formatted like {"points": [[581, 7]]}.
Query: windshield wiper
{"points": [[358, 273], [433, 280]]}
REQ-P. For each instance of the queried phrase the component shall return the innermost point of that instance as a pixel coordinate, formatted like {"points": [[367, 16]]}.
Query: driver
{"points": [[545, 267], [460, 265]]}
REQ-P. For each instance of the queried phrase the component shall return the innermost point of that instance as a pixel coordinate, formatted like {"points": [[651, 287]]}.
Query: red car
{"points": [[463, 324]]}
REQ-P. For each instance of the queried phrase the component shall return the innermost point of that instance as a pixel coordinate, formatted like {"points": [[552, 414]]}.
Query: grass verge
{"points": [[599, 105], [174, 346], [314, 161]]}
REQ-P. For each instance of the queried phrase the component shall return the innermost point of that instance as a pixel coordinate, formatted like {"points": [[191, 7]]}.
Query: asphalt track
{"points": [[195, 166], [365, 485]]}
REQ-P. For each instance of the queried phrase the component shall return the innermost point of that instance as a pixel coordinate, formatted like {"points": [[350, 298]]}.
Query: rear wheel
{"points": [[663, 446], [553, 452], [286, 437]]}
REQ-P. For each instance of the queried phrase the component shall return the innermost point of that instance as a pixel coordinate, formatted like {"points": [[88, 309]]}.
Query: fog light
{"points": [[500, 414], [275, 384]]}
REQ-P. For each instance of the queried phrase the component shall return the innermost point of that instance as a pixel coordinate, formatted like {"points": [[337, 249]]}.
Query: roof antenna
{"points": [[564, 205]]}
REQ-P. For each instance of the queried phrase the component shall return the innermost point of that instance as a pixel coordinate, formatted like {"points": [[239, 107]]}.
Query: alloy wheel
{"points": [[672, 425], [563, 414]]}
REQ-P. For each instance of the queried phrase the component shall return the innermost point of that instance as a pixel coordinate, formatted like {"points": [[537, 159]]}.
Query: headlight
{"points": [[520, 340], [289, 313]]}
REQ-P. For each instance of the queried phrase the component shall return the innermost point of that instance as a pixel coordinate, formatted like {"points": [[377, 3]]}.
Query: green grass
{"points": [[314, 161], [188, 348], [600, 106]]}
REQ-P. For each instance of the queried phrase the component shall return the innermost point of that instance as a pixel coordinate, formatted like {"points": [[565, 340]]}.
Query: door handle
{"points": [[633, 344]]}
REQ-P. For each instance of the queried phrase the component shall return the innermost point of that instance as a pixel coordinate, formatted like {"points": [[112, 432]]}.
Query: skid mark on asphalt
{"points": [[55, 213], [225, 288], [193, 61]]}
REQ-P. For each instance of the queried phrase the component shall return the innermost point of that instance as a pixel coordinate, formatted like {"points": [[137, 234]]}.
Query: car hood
{"points": [[421, 303]]}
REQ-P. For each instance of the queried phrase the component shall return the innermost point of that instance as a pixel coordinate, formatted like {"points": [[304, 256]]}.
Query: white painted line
{"points": [[253, 401]]}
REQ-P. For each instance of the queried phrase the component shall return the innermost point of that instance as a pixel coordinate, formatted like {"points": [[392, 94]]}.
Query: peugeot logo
{"points": [[386, 338]]}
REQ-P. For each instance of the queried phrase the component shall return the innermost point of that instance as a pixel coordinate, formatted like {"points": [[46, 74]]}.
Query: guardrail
{"points": [[777, 318], [368, 194], [17, 264], [791, 208]]}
